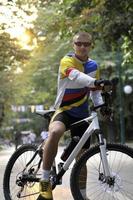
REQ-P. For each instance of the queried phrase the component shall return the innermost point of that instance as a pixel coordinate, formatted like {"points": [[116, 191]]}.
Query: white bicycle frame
{"points": [[94, 125]]}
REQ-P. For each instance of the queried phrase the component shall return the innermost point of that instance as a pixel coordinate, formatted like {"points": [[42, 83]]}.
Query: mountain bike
{"points": [[108, 166]]}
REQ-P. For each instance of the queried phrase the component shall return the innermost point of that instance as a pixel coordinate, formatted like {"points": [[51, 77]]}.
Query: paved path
{"points": [[61, 192], [4, 157]]}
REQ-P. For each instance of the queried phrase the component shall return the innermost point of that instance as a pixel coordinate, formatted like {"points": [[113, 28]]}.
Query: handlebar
{"points": [[103, 82], [106, 85]]}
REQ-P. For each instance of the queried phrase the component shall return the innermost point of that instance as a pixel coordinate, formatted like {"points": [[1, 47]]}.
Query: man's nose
{"points": [[82, 45]]}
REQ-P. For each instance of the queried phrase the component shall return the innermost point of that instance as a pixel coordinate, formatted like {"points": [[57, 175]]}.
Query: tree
{"points": [[12, 55]]}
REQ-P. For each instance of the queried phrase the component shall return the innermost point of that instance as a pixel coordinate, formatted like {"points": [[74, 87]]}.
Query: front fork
{"points": [[103, 152]]}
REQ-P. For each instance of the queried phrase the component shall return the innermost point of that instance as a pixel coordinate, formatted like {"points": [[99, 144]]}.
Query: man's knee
{"points": [[56, 130]]}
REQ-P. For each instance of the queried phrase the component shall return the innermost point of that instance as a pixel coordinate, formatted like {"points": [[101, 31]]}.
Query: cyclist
{"points": [[76, 83]]}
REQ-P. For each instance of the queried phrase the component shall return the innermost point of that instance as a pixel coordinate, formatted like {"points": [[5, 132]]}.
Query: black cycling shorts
{"points": [[67, 119]]}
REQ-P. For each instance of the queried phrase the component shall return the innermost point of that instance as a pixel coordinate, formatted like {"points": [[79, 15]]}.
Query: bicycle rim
{"points": [[120, 159], [15, 169]]}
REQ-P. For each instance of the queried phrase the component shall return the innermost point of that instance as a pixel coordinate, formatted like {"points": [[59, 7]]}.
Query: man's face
{"points": [[81, 46]]}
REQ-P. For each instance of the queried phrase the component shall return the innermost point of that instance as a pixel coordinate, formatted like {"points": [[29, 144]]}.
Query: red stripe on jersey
{"points": [[69, 70], [72, 96]]}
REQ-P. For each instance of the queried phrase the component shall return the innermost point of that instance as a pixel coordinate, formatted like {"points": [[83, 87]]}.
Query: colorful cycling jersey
{"points": [[72, 96]]}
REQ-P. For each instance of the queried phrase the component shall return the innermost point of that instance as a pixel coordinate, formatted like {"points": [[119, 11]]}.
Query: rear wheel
{"points": [[96, 186], [15, 185]]}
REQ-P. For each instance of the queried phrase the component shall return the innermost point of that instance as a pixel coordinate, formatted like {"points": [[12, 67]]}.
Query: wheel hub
{"points": [[111, 184]]}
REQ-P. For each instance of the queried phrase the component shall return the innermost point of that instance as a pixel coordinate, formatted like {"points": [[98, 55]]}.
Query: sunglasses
{"points": [[85, 44]]}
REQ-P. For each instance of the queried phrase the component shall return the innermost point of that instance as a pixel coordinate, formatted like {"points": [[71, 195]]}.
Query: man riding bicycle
{"points": [[76, 83]]}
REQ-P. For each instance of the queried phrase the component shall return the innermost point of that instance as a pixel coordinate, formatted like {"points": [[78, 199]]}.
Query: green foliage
{"points": [[127, 48], [12, 59], [44, 78]]}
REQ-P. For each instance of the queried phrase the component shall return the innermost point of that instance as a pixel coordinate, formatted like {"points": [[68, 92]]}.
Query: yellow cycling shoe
{"points": [[45, 191]]}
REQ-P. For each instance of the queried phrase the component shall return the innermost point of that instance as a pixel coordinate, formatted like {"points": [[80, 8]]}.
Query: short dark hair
{"points": [[83, 34]]}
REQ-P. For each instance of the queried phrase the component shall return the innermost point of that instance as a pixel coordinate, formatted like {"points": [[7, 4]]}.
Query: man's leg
{"points": [[56, 130]]}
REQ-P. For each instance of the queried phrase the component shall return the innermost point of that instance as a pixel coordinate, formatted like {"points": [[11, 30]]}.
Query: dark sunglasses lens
{"points": [[85, 44], [78, 44]]}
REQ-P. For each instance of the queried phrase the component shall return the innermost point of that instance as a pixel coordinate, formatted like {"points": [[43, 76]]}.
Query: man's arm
{"points": [[80, 78], [67, 69]]}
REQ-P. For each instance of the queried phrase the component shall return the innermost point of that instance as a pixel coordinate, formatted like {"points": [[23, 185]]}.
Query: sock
{"points": [[45, 175]]}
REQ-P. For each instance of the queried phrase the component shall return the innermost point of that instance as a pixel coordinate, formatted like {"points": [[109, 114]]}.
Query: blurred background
{"points": [[35, 34]]}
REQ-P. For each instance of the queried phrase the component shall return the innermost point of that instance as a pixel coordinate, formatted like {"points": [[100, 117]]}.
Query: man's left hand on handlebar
{"points": [[105, 84]]}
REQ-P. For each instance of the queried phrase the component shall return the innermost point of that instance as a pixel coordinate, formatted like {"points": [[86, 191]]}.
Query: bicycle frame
{"points": [[94, 126]]}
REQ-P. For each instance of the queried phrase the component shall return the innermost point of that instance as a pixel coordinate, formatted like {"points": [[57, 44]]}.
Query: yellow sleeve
{"points": [[65, 64]]}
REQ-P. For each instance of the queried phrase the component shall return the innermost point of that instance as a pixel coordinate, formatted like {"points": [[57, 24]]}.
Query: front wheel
{"points": [[15, 184], [88, 180]]}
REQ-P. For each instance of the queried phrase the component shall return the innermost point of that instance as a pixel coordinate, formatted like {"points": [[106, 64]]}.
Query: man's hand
{"points": [[105, 84], [102, 83]]}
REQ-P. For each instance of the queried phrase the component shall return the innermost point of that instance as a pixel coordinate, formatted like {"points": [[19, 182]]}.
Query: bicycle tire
{"points": [[14, 168], [120, 158]]}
